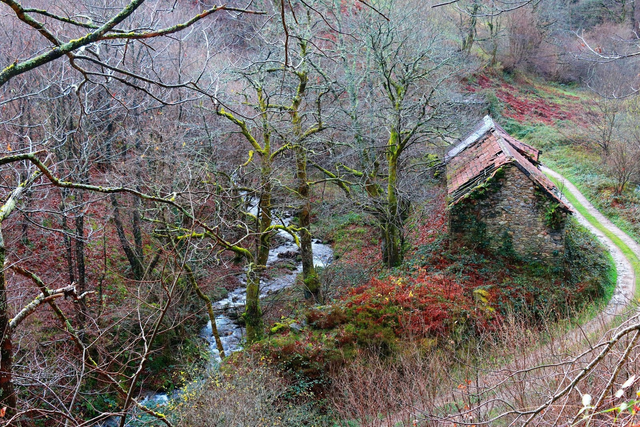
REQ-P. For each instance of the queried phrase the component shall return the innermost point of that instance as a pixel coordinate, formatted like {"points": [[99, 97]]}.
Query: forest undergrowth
{"points": [[391, 339]]}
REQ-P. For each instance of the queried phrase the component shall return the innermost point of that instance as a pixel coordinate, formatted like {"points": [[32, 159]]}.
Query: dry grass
{"points": [[252, 394], [506, 378]]}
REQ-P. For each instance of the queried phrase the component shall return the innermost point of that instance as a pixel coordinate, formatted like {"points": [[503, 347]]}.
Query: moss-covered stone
{"points": [[509, 213]]}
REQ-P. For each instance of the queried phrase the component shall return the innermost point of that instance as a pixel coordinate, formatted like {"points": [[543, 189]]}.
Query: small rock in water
{"points": [[234, 315], [288, 254]]}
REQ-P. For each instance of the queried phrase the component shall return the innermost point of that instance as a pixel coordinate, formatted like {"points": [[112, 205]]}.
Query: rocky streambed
{"points": [[229, 308], [230, 331]]}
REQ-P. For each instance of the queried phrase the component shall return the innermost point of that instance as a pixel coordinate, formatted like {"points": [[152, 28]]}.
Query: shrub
{"points": [[326, 319], [254, 394], [587, 264]]}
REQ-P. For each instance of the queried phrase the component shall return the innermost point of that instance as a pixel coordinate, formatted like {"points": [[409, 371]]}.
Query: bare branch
{"points": [[44, 298]]}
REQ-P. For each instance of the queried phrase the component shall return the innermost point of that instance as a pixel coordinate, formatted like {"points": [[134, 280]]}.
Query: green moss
{"points": [[277, 327], [465, 219], [553, 216], [631, 256]]}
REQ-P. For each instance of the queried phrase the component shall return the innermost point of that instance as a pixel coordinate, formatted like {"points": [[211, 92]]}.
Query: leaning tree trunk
{"points": [[207, 301], [134, 254], [134, 260]]}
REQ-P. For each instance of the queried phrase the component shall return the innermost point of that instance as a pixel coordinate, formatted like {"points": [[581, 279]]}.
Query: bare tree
{"points": [[96, 42], [622, 163], [606, 112], [402, 74]]}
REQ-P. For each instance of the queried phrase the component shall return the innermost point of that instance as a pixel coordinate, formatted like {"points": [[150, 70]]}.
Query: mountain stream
{"points": [[230, 331]]}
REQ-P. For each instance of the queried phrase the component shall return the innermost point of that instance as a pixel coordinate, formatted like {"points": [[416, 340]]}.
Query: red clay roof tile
{"points": [[481, 154]]}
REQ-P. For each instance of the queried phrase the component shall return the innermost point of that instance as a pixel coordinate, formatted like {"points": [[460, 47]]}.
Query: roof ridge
{"points": [[521, 147], [487, 125], [504, 146]]}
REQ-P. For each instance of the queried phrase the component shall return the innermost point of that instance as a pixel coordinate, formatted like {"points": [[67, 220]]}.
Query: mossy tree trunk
{"points": [[252, 311], [467, 41], [392, 223], [300, 136], [207, 301], [310, 277], [264, 212]]}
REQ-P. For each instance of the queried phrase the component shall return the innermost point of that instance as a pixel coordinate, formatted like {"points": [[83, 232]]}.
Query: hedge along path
{"points": [[626, 256]]}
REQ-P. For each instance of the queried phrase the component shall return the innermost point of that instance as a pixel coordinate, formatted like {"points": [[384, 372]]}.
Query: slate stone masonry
{"points": [[510, 214]]}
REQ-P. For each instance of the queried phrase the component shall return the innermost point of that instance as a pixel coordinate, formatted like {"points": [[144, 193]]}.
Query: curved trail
{"points": [[623, 295], [625, 286], [598, 325]]}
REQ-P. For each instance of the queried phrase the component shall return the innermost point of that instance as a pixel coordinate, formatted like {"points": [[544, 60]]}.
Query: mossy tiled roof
{"points": [[477, 158]]}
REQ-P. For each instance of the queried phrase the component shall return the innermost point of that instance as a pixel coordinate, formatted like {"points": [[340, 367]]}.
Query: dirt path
{"points": [[589, 332], [596, 326], [625, 286]]}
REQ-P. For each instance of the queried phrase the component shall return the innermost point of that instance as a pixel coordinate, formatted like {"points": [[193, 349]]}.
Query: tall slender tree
{"points": [[402, 67]]}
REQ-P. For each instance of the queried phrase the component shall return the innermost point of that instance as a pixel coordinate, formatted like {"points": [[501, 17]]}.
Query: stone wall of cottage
{"points": [[509, 215]]}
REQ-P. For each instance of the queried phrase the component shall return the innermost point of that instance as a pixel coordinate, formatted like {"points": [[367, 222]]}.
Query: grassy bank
{"points": [[628, 253]]}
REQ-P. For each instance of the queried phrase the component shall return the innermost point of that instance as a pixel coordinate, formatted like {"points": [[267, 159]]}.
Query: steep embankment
{"points": [[493, 385], [513, 387]]}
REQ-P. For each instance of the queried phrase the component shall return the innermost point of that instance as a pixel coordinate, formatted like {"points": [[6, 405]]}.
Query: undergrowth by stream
{"points": [[442, 302]]}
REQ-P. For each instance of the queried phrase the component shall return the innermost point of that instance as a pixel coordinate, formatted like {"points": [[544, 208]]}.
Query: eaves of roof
{"points": [[488, 148]]}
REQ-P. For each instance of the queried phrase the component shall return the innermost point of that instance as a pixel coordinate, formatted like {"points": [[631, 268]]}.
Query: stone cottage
{"points": [[499, 199]]}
